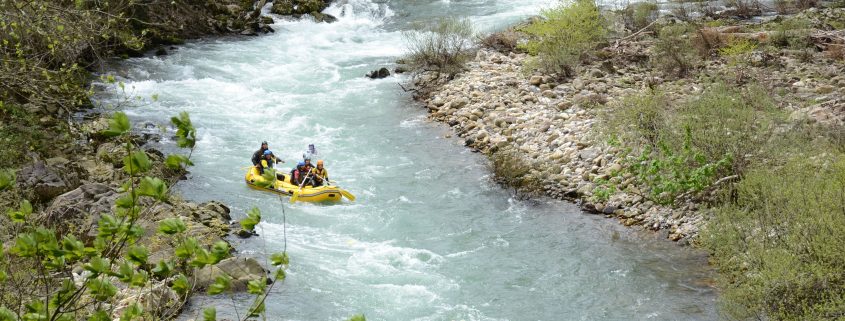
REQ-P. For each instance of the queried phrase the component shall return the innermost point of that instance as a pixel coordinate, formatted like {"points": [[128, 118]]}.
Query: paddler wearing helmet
{"points": [[320, 174], [298, 174]]}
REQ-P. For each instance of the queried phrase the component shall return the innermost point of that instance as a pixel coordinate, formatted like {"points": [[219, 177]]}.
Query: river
{"points": [[430, 237]]}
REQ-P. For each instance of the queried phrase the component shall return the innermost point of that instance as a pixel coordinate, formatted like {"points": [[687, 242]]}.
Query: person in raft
{"points": [[321, 175], [258, 156], [298, 175], [267, 162]]}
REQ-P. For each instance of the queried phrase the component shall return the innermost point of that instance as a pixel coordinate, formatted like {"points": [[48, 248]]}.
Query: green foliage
{"points": [[252, 219], [7, 179], [358, 317], [640, 14], [673, 51], [175, 161], [444, 46], [564, 36], [220, 285], [738, 54], [209, 314], [778, 243], [22, 214], [278, 259], [118, 125], [137, 162], [170, 226], [792, 33], [685, 147], [186, 134]]}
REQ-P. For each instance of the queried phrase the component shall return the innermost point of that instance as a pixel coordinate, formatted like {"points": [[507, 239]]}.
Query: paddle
{"points": [[343, 192], [295, 195]]}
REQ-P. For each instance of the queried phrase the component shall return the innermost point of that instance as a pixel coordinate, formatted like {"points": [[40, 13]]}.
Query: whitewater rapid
{"points": [[431, 237]]}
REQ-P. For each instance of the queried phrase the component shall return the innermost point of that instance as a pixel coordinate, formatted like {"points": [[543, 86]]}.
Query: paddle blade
{"points": [[294, 197], [348, 195]]}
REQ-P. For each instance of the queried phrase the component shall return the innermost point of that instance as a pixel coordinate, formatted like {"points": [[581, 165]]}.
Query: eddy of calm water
{"points": [[431, 237]]}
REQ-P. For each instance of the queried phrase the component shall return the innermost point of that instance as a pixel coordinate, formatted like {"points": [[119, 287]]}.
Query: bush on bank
{"points": [[563, 36]]}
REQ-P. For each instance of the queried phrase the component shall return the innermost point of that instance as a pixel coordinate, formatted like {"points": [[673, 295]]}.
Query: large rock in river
{"points": [[298, 7]]}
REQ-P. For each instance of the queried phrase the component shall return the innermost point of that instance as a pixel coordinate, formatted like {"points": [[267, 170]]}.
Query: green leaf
{"points": [[73, 247], [7, 315], [107, 226], [187, 248], [209, 314], [153, 187], [252, 219], [202, 258], [186, 134], [180, 284], [22, 214], [100, 315], [220, 251], [138, 255], [280, 259], [118, 125], [137, 162], [125, 272], [7, 179], [175, 161], [3, 277], [221, 284], [257, 286], [140, 279], [101, 289], [280, 275], [97, 266], [172, 226], [132, 312], [163, 269], [25, 245], [358, 317]]}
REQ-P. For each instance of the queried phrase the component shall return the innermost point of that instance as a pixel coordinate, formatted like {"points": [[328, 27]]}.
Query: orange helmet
{"points": [[320, 162]]}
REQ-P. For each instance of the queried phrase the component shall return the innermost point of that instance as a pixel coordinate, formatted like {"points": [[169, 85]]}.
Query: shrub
{"points": [[444, 47], [738, 55], [504, 41], [779, 244], [745, 8], [673, 51], [639, 15], [564, 35], [792, 33], [511, 168], [684, 147]]}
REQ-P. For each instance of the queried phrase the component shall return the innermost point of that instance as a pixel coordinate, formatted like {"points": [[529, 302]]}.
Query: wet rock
{"points": [[161, 52], [379, 74], [323, 17]]}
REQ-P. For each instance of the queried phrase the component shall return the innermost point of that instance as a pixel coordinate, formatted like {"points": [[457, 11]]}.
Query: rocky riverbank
{"points": [[555, 126]]}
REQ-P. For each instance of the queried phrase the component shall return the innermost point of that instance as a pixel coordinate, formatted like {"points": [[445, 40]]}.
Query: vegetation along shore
{"points": [[715, 125]]}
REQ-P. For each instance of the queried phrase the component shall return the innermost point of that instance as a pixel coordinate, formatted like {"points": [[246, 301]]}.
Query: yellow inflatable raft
{"points": [[306, 193]]}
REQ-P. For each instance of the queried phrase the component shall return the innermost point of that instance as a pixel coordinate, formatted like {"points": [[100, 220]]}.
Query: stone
{"points": [[241, 270], [588, 154], [79, 209], [323, 17], [49, 181], [379, 74], [535, 80]]}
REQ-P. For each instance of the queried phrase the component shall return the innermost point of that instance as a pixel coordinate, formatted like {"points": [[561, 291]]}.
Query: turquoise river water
{"points": [[431, 237]]}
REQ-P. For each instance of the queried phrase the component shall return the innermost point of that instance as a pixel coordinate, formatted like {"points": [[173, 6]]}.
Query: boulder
{"points": [[241, 270], [79, 209], [51, 178], [324, 17], [298, 7], [378, 74]]}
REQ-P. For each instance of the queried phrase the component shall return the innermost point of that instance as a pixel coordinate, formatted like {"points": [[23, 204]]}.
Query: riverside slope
{"points": [[493, 105]]}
